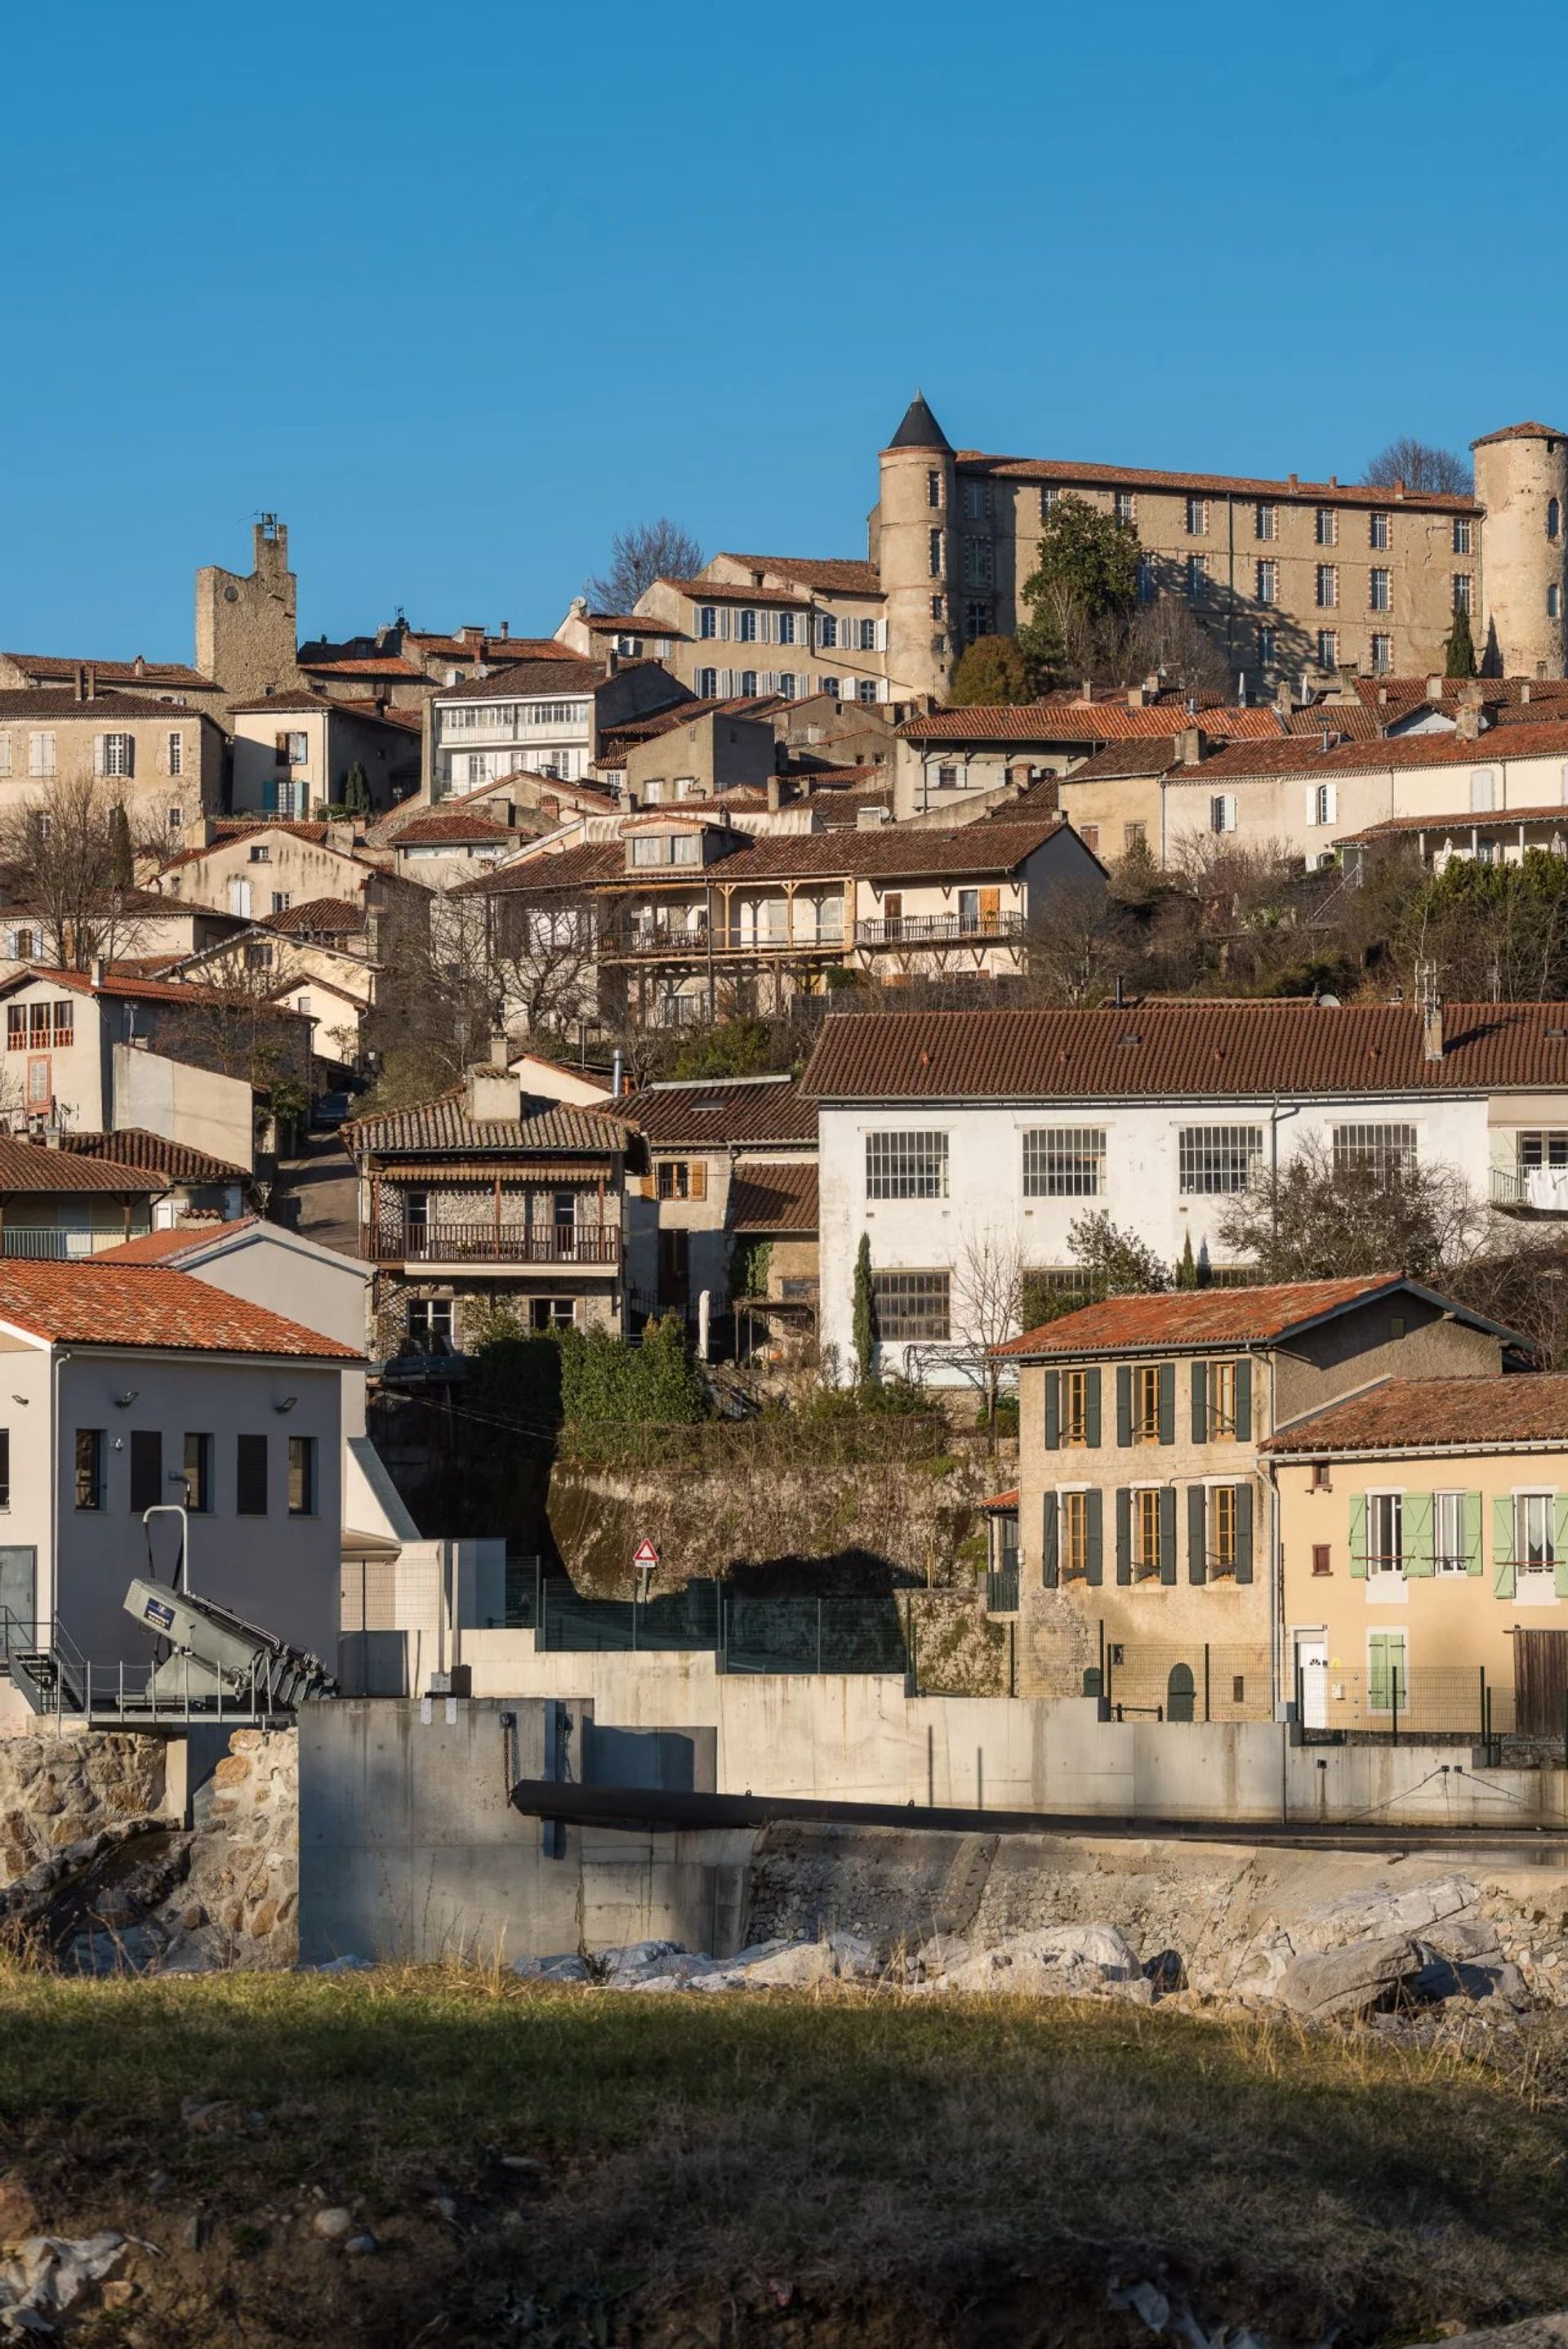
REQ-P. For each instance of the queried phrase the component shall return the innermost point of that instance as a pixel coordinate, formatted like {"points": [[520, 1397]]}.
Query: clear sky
{"points": [[457, 291]]}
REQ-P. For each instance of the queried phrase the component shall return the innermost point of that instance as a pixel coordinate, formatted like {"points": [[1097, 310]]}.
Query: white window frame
{"points": [[1380, 588], [1381, 1148], [1223, 811], [1063, 1162], [1448, 1555], [1325, 586], [1380, 530], [1391, 1499], [907, 1163], [1209, 1159]]}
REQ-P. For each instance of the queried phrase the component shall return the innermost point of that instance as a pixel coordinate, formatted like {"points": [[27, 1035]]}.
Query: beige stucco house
{"points": [[165, 762], [295, 750]]}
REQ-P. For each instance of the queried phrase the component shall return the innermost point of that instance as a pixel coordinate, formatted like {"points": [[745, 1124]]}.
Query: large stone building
{"points": [[1296, 578]]}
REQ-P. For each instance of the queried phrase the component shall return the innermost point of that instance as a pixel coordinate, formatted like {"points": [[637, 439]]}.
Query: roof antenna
{"points": [[1119, 1002]]}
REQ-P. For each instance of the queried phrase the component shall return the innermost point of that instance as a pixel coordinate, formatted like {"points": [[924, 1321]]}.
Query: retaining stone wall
{"points": [[55, 1791]]}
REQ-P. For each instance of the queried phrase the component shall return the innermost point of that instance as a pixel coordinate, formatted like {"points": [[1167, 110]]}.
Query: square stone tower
{"points": [[246, 629]]}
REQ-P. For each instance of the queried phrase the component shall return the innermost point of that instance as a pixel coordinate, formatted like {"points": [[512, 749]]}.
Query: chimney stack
{"points": [[774, 795], [1431, 1009], [1434, 689], [1190, 746], [1467, 726]]}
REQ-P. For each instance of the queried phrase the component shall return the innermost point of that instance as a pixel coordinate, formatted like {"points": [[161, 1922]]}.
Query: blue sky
{"points": [[459, 291]]}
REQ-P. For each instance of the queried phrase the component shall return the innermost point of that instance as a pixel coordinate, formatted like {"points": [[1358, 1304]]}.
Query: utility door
{"points": [[1311, 1678]]}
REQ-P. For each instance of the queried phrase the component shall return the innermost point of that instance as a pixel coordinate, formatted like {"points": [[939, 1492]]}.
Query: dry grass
{"points": [[809, 2167]]}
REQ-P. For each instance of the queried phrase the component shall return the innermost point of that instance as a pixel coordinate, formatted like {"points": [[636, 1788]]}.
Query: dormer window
{"points": [[683, 848]]}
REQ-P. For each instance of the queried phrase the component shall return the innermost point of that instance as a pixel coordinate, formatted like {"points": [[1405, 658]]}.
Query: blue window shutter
{"points": [[1123, 1403], [1093, 1529], [1091, 1411], [1053, 1410], [1167, 1528], [1244, 1403], [1243, 1533], [1199, 1402], [1197, 1533], [1167, 1402], [270, 795], [1048, 1575], [1124, 1535]]}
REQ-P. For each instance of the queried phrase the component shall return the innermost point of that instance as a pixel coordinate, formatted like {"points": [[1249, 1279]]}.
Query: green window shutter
{"points": [[1048, 1570], [1560, 1543], [1123, 1403], [1053, 1410], [1474, 1563], [1168, 1528], [1124, 1535], [1199, 1402], [1417, 1533], [1091, 1412], [1243, 1533], [1094, 1532], [1197, 1533], [1503, 1576], [1385, 1656], [1359, 1535], [1244, 1403], [1167, 1402]]}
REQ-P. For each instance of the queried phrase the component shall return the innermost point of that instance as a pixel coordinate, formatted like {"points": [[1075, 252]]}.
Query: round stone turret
{"points": [[914, 545], [1521, 479]]}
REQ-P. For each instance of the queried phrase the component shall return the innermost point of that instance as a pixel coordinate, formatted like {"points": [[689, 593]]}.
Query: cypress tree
{"points": [[1460, 647], [1187, 1271], [865, 1317]]}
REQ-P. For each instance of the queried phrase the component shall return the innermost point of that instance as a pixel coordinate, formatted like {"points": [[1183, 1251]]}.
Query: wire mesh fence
{"points": [[1148, 1680], [1395, 1700]]}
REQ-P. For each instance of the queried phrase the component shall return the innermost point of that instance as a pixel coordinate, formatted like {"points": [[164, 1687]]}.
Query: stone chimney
{"points": [[775, 796], [500, 1048], [1468, 726], [1524, 690], [1282, 701], [1435, 688], [493, 1096], [1191, 746], [1137, 698], [1086, 691], [1431, 1009]]}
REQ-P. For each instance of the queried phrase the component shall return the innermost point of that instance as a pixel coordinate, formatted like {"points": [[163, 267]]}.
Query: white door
{"points": [[1311, 1678], [240, 899]]}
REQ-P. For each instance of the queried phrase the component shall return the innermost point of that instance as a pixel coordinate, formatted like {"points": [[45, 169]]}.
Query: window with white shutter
{"points": [[5, 754]]}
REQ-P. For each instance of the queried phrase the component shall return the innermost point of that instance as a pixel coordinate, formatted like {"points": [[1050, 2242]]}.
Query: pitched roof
{"points": [[918, 429], [565, 868], [444, 825], [561, 672], [107, 707], [1117, 760], [168, 1246], [1204, 1050], [30, 1167], [730, 591], [226, 831], [891, 849], [708, 1115], [365, 665], [1084, 721], [769, 1196], [1520, 432], [95, 1304], [483, 646], [1304, 755], [1407, 827], [321, 916], [1202, 1317], [834, 575], [63, 666], [444, 1127], [120, 987], [1437, 1415], [132, 1146], [1133, 477]]}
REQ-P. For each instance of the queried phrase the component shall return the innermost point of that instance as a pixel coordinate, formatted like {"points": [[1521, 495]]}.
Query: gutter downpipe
{"points": [[57, 1457], [1276, 1118]]}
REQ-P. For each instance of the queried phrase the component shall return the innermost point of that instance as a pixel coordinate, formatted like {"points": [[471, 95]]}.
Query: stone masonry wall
{"points": [[55, 1791], [240, 1902]]}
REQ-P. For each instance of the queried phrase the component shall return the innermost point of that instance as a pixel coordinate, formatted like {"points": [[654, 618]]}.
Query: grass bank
{"points": [[566, 2166]]}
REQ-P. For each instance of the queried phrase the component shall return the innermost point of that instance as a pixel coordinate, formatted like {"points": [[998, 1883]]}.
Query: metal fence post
{"points": [[1300, 1691], [818, 1634], [1482, 1721], [543, 1642], [1012, 1660], [1394, 1699], [1205, 1680]]}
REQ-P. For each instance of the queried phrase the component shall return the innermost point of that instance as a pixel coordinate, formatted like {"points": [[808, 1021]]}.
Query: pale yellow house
{"points": [[1145, 1528], [1423, 1545]]}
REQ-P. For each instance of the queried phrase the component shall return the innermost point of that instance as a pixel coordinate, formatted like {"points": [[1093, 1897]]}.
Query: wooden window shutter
{"points": [[1200, 1408], [99, 754], [1123, 1403], [1197, 1533], [697, 1179], [1091, 1411], [1418, 1534], [281, 750], [1503, 1570], [1560, 1543], [1168, 1534], [1094, 1535], [1472, 1510], [1167, 1402], [1243, 1533], [1049, 1573], [1123, 1535], [1358, 1536], [1243, 1401], [1053, 1410]]}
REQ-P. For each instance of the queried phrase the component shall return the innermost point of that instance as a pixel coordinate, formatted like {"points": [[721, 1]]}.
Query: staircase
{"points": [[48, 1671]]}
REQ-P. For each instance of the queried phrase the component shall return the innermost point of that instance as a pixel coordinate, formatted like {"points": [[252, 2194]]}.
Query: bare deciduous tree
{"points": [[67, 858], [1076, 951], [986, 1307], [1319, 1219], [1421, 466], [648, 550]]}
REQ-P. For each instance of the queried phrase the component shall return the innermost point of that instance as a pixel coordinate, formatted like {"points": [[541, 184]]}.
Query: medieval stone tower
{"points": [[914, 544], [1521, 479], [246, 629]]}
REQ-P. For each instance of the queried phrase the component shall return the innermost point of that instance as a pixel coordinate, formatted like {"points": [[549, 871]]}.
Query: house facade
{"points": [[731, 1165], [165, 759], [491, 1196], [1146, 1535], [949, 1131], [1423, 1533], [295, 751], [546, 717]]}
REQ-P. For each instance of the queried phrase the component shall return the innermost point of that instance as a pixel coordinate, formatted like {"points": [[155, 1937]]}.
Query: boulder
{"points": [[1322, 1983]]}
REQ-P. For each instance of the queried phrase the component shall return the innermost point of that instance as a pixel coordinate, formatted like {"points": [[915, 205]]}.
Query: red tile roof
{"points": [[30, 1167], [323, 917], [837, 575], [1394, 827], [117, 989], [446, 824], [1303, 755], [1520, 432], [890, 850], [730, 591], [108, 706], [1436, 1415], [1083, 721], [1353, 494], [710, 1116], [168, 1246], [580, 867], [388, 665], [132, 1146], [1200, 1317], [443, 1126], [1002, 1500], [772, 1197], [63, 666], [1186, 1050], [488, 648], [563, 671], [96, 1304]]}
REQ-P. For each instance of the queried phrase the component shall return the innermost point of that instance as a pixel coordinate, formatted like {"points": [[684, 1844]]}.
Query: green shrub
{"points": [[603, 1378]]}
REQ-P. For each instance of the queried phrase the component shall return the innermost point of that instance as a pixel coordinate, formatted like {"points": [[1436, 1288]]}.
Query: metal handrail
{"points": [[493, 1244]]}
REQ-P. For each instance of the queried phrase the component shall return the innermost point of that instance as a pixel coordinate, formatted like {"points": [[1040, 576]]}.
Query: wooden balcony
{"points": [[939, 929], [589, 1245], [677, 942]]}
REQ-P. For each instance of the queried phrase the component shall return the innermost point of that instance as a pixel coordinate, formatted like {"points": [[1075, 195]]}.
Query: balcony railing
{"points": [[676, 940], [46, 1243], [585, 1244], [938, 929], [1531, 1190]]}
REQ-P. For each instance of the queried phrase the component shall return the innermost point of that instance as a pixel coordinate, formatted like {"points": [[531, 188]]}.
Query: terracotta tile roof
{"points": [[409, 721], [29, 1166], [1520, 432], [730, 591], [226, 832], [1083, 721], [1131, 477], [891, 849], [292, 698], [1395, 827], [772, 1197], [325, 916], [445, 823], [834, 575], [1303, 755], [563, 672], [1002, 1500], [107, 708], [168, 1246], [1122, 760], [1342, 720], [730, 1109], [119, 988], [96, 1304], [1185, 1051], [632, 624], [63, 666], [1200, 1317], [488, 648], [581, 867], [132, 1146], [372, 665], [443, 1126], [1433, 1415]]}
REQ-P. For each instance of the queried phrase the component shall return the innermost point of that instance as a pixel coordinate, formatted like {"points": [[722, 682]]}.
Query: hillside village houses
{"points": [[942, 1130], [731, 1169]]}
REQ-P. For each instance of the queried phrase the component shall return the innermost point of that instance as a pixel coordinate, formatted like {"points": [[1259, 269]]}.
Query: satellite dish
{"points": [[1328, 1002]]}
